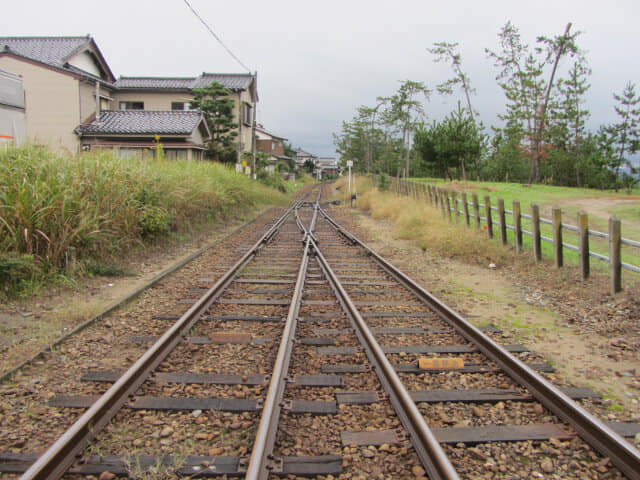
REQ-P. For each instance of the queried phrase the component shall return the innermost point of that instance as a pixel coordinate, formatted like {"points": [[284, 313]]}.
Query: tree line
{"points": [[542, 137]]}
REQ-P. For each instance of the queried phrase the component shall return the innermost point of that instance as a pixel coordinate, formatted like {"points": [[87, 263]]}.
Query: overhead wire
{"points": [[216, 36]]}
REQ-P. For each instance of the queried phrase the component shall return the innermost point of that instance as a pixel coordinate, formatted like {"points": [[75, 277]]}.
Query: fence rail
{"points": [[449, 202]]}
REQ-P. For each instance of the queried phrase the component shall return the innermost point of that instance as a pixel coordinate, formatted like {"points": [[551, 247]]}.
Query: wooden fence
{"points": [[474, 213]]}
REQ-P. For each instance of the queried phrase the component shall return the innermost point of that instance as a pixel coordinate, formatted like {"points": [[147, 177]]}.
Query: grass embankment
{"points": [[599, 204], [103, 206], [426, 227]]}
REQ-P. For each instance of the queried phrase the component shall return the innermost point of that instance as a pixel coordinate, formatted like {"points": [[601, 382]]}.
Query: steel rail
{"points": [[261, 462], [54, 462], [431, 455], [589, 428]]}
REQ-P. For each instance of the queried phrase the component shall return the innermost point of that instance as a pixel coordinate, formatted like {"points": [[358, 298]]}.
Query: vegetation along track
{"points": [[306, 358]]}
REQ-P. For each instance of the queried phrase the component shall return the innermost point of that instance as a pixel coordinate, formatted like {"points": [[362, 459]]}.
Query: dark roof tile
{"points": [[53, 51], [139, 122], [233, 81]]}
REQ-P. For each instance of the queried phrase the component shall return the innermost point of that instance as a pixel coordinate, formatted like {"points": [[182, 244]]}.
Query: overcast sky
{"points": [[318, 61]]}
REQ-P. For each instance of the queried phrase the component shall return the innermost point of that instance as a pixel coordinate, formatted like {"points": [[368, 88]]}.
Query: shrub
{"points": [[384, 182]]}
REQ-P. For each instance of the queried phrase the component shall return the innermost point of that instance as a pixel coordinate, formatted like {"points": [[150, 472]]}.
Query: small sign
{"points": [[244, 163], [349, 163], [440, 363]]}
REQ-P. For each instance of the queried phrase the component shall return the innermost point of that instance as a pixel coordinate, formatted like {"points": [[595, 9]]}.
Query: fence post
{"points": [[517, 225], [465, 207], [614, 254], [583, 243], [476, 210], [446, 193], [487, 213], [454, 200], [503, 221], [557, 235], [430, 192], [535, 231]]}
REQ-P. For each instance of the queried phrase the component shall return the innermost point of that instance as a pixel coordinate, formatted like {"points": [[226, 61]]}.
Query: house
{"points": [[273, 146], [63, 79], [74, 102], [12, 120], [175, 94], [302, 157], [326, 166]]}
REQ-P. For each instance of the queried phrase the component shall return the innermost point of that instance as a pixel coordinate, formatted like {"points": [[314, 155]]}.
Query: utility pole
{"points": [[253, 126]]}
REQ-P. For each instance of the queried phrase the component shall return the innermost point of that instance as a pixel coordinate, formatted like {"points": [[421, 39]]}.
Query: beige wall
{"points": [[244, 132], [152, 101], [52, 104]]}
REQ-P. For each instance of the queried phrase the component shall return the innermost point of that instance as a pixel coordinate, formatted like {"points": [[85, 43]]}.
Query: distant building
{"points": [[302, 157], [273, 146], [327, 166], [12, 111]]}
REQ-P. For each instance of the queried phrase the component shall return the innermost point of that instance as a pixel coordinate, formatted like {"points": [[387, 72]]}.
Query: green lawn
{"points": [[599, 204]]}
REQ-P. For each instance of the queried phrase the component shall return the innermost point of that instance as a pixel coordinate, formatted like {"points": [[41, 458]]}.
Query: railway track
{"points": [[313, 356]]}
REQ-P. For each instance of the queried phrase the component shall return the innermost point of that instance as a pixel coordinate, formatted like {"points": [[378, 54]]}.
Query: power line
{"points": [[216, 37]]}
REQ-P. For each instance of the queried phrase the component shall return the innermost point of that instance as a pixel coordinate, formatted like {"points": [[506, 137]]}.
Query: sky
{"points": [[318, 61]]}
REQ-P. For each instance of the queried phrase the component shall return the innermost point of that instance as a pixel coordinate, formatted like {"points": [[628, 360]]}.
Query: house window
{"points": [[247, 114], [131, 105], [180, 106]]}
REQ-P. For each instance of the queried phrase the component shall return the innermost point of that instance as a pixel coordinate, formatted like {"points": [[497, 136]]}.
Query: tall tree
{"points": [[522, 78], [445, 51], [571, 115], [217, 107], [405, 110], [626, 132]]}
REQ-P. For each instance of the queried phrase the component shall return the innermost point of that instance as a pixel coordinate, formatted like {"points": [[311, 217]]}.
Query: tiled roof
{"points": [[303, 153], [233, 81], [140, 122], [168, 83], [53, 51], [56, 52]]}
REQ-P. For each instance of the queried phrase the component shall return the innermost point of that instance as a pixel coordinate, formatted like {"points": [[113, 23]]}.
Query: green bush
{"points": [[384, 182], [273, 180]]}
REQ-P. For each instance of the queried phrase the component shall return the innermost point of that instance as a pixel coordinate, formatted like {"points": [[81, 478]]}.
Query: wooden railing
{"points": [[457, 207]]}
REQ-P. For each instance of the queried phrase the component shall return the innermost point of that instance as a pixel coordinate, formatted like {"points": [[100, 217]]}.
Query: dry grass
{"points": [[426, 227]]}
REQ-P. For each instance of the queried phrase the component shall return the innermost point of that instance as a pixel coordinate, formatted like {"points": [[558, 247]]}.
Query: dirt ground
{"points": [[591, 338], [27, 326]]}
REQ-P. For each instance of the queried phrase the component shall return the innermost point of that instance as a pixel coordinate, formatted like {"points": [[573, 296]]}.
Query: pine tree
{"points": [[627, 130], [448, 52], [572, 116], [217, 107], [522, 78]]}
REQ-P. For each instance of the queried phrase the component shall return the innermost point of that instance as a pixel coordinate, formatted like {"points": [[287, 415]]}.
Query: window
{"points": [[180, 106], [247, 114], [131, 105]]}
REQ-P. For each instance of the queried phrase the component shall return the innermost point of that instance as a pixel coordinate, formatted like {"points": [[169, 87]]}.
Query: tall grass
{"points": [[103, 205], [425, 226]]}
